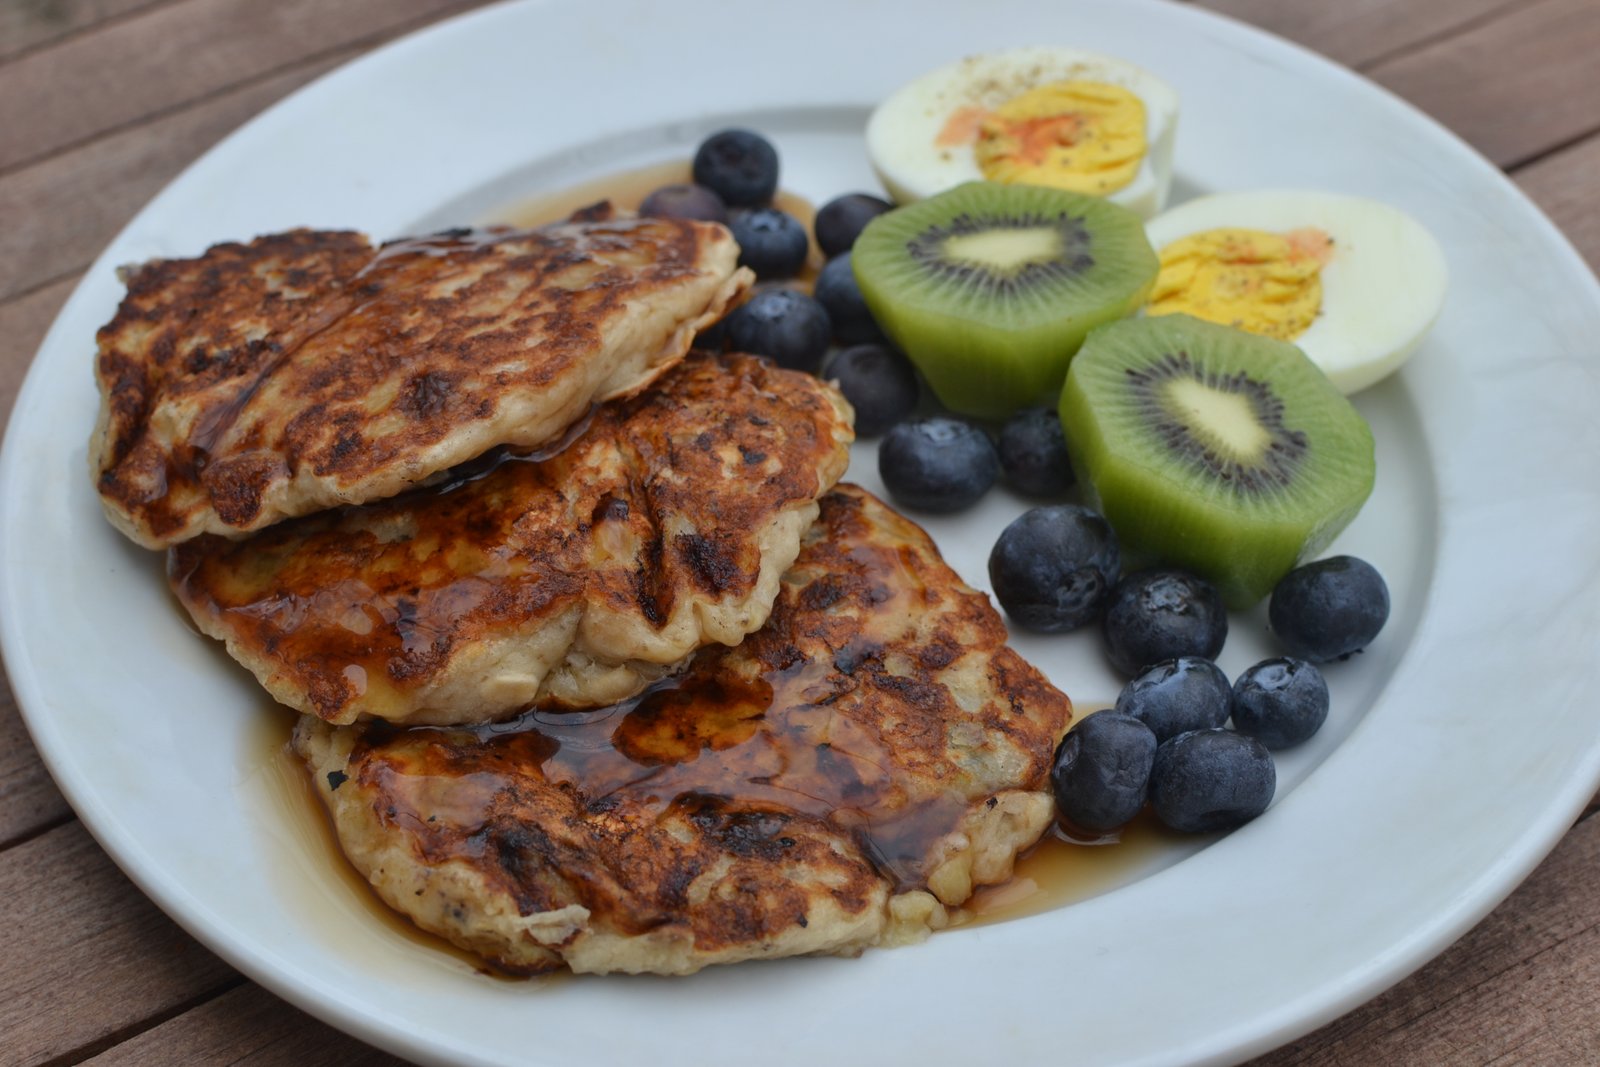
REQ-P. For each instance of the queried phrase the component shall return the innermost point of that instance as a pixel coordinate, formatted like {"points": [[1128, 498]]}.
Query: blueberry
{"points": [[788, 327], [837, 290], [1053, 568], [1178, 695], [842, 219], [1280, 702], [771, 242], [1330, 609], [1033, 452], [687, 201], [937, 464], [740, 166], [880, 384], [1101, 771], [1157, 615], [1209, 780]]}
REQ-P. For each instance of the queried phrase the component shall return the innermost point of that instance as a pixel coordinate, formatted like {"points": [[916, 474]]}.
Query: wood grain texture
{"points": [[244, 1027], [117, 96], [1513, 87], [1355, 32], [1505, 993], [1509, 992], [29, 800], [23, 323], [26, 24], [133, 69], [63, 211], [87, 956], [1566, 184]]}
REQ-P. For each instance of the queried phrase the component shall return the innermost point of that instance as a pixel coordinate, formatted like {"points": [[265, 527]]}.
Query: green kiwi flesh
{"points": [[990, 289], [1215, 450]]}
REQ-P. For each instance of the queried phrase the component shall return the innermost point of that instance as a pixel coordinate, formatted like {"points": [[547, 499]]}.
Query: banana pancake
{"points": [[569, 580], [838, 780], [307, 369]]}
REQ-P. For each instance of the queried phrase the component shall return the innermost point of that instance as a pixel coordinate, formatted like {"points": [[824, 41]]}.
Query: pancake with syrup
{"points": [[307, 369], [571, 579], [838, 780]]}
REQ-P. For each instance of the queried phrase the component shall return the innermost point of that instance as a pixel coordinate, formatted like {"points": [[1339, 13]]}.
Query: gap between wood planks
{"points": [[111, 1040], [1562, 183], [38, 24], [1444, 34], [28, 246], [30, 100], [167, 1015], [1360, 32], [14, 365], [244, 1023]]}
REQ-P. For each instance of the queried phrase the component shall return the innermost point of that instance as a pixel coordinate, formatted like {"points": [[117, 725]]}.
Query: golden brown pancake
{"points": [[305, 370], [838, 780], [570, 580]]}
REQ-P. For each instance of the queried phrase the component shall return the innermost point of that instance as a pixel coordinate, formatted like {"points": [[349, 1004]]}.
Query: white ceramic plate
{"points": [[1460, 746]]}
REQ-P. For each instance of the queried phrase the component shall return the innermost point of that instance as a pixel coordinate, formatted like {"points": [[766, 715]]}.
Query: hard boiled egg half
{"points": [[1353, 282], [1036, 116]]}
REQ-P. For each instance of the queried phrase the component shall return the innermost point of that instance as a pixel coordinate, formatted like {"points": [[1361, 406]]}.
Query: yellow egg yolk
{"points": [[1084, 136], [1264, 283]]}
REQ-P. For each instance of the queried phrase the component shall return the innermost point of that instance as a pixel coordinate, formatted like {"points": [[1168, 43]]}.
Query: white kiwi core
{"points": [[1226, 421], [1006, 251]]}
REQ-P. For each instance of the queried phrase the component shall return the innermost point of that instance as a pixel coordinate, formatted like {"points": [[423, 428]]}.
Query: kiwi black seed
{"points": [[990, 289], [1211, 449]]}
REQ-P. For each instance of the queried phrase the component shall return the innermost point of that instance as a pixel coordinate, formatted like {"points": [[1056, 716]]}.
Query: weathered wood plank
{"points": [[1356, 32], [1477, 1003], [1533, 958], [1522, 987], [61, 212], [1566, 185], [86, 955], [244, 1027], [26, 24], [23, 323], [29, 800], [135, 68], [1515, 86]]}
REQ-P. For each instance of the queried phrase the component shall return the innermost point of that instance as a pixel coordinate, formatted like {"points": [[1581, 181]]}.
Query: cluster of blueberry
{"points": [[735, 178], [942, 463], [1058, 567], [1165, 741]]}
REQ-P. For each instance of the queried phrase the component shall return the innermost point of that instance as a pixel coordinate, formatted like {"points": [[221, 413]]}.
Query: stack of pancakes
{"points": [[597, 666]]}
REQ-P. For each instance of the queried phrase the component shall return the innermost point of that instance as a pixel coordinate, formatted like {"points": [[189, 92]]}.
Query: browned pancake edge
{"points": [[569, 580], [839, 780], [304, 370]]}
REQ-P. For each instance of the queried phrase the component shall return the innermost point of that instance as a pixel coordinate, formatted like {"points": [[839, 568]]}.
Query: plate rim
{"points": [[191, 913]]}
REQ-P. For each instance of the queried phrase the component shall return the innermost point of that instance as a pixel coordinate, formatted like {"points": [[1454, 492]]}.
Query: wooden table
{"points": [[103, 101]]}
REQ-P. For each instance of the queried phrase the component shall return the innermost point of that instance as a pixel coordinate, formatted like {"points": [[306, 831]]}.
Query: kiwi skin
{"points": [[989, 357], [1241, 542]]}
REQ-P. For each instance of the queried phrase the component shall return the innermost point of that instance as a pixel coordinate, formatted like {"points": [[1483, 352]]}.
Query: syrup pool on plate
{"points": [[627, 190], [322, 882], [1056, 872]]}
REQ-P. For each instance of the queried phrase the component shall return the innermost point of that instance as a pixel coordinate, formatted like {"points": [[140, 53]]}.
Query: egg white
{"points": [[902, 131], [1381, 291]]}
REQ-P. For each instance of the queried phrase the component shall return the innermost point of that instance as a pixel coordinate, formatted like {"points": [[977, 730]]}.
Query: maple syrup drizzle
{"points": [[628, 189], [693, 738], [297, 811], [1056, 872], [772, 735], [1060, 870]]}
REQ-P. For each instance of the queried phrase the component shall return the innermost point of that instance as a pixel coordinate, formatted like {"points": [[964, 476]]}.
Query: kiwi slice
{"points": [[990, 288], [1215, 450]]}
